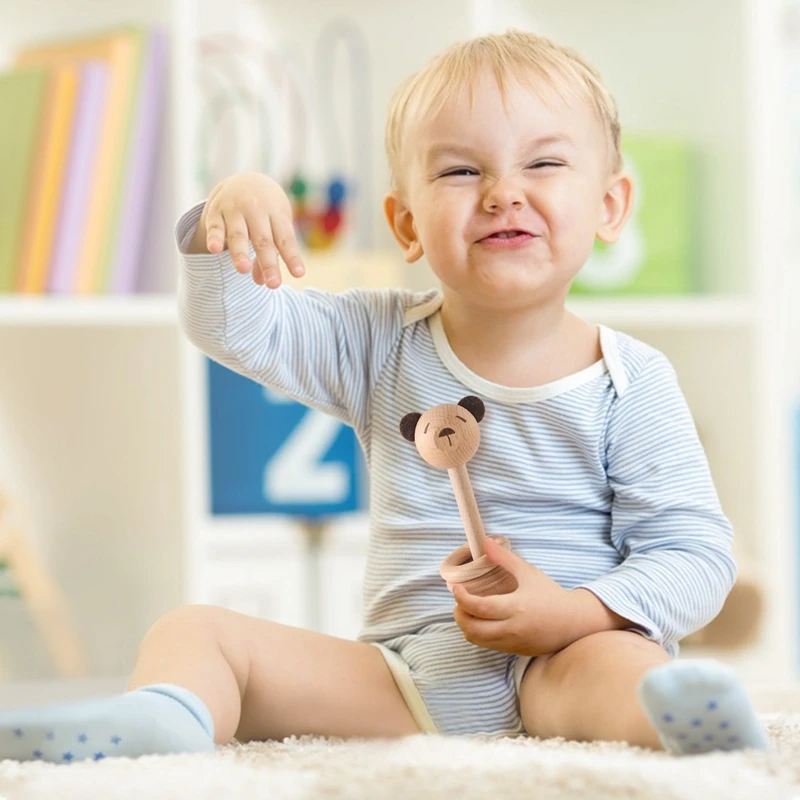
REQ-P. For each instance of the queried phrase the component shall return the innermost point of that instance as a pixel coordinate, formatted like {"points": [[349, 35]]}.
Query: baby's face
{"points": [[506, 203]]}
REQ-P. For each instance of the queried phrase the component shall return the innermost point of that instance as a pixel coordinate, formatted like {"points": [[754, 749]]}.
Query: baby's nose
{"points": [[446, 432], [504, 194]]}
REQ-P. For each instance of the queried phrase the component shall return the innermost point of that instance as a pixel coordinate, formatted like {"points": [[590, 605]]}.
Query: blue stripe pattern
{"points": [[599, 480]]}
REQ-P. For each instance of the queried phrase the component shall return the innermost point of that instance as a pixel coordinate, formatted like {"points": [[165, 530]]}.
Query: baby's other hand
{"points": [[536, 619], [252, 208]]}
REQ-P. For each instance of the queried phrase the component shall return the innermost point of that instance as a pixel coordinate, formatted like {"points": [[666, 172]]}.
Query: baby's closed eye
{"points": [[459, 172], [545, 164]]}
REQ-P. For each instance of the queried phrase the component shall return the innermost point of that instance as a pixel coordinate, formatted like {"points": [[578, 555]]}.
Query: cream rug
{"points": [[422, 767]]}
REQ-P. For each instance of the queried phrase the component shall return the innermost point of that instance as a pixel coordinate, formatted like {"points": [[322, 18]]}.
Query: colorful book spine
{"points": [[109, 160], [127, 253], [48, 177], [22, 94], [122, 50], [80, 175]]}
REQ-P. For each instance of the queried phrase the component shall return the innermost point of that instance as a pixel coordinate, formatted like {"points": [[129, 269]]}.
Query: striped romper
{"points": [[598, 479]]}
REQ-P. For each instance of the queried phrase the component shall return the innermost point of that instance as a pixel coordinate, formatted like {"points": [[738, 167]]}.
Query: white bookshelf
{"points": [[102, 414], [161, 310], [122, 312]]}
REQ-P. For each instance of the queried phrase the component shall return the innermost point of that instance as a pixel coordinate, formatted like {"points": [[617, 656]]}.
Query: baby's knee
{"points": [[596, 652], [627, 640], [185, 619], [598, 647]]}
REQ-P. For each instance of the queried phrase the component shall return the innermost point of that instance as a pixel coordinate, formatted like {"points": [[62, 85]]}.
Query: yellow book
{"points": [[48, 179], [121, 50]]}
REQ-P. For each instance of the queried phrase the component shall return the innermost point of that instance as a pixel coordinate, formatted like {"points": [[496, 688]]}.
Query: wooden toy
{"points": [[447, 437]]}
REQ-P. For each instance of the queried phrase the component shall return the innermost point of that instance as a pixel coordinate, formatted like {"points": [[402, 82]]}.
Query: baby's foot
{"points": [[153, 720], [698, 706]]}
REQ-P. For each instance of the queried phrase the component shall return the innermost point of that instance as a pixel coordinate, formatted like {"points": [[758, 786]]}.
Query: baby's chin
{"points": [[507, 295], [517, 283]]}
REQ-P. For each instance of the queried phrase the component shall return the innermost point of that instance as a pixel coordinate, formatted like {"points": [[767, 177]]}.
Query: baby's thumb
{"points": [[498, 554]]}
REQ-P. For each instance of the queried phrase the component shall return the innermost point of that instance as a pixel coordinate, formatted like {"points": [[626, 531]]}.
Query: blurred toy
{"points": [[447, 436], [319, 225]]}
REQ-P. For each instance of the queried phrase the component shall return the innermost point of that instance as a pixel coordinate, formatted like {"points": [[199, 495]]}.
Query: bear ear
{"points": [[408, 425], [474, 405]]}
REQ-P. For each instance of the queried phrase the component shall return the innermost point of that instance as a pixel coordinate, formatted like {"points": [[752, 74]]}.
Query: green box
{"points": [[655, 252]]}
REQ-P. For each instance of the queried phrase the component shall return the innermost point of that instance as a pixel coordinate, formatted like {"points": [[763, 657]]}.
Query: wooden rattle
{"points": [[447, 436]]}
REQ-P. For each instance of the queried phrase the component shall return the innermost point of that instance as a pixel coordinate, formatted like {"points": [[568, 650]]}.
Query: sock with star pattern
{"points": [[153, 720], [700, 705]]}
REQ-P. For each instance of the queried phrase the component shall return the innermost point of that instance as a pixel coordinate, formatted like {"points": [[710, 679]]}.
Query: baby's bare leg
{"points": [[588, 691], [261, 680]]}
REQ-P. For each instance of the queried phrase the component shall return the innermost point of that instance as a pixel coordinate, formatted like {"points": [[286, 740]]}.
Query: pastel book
{"points": [[46, 179], [124, 262], [80, 175], [22, 97]]}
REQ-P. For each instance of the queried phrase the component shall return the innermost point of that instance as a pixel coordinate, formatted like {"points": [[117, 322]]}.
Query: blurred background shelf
{"points": [[117, 311], [667, 312], [161, 310]]}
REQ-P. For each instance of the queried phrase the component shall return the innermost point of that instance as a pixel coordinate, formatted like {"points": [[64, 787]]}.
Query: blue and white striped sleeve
{"points": [[666, 519], [321, 349]]}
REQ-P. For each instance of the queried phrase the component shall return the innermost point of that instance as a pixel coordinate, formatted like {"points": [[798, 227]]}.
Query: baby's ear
{"points": [[408, 425], [474, 405], [617, 208], [401, 223]]}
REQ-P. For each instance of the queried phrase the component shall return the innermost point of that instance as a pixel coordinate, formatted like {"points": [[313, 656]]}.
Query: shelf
{"points": [[666, 312], [160, 310], [49, 310]]}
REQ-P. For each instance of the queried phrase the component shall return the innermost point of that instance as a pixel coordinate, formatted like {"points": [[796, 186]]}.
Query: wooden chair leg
{"points": [[48, 608]]}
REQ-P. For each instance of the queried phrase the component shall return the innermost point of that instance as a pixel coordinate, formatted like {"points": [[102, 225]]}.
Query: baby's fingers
{"points": [[215, 232], [494, 607], [236, 232], [286, 242], [266, 253]]}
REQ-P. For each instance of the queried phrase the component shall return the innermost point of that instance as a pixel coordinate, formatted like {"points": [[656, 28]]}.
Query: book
{"points": [[121, 50], [47, 178], [22, 95], [79, 178], [127, 250]]}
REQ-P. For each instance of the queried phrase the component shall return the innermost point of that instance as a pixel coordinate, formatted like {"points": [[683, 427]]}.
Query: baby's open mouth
{"points": [[513, 235], [507, 234]]}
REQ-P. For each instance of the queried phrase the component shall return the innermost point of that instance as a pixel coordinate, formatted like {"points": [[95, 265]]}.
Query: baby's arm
{"points": [[666, 517], [318, 348]]}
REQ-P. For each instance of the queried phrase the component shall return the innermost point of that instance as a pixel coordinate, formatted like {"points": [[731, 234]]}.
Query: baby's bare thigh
{"points": [[303, 682]]}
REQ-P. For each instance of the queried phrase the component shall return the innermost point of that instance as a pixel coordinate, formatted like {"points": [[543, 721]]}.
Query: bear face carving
{"points": [[447, 435]]}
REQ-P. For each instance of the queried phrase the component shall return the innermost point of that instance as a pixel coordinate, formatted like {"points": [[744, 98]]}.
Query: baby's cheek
{"points": [[574, 229]]}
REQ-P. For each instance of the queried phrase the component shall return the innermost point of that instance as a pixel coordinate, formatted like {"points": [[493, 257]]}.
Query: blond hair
{"points": [[513, 55]]}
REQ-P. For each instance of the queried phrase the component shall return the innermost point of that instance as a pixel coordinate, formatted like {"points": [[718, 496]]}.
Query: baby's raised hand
{"points": [[538, 617], [252, 208]]}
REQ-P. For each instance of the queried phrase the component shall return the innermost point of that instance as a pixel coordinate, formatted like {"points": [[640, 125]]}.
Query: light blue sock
{"points": [[158, 719], [699, 706]]}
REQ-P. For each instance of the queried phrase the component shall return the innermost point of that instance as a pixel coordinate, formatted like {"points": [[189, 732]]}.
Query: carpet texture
{"points": [[422, 767]]}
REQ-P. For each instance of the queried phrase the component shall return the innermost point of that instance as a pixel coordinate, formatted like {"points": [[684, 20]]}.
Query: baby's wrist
{"points": [[590, 615]]}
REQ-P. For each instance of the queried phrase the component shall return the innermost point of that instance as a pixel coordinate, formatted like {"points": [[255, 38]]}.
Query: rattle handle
{"points": [[470, 517]]}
